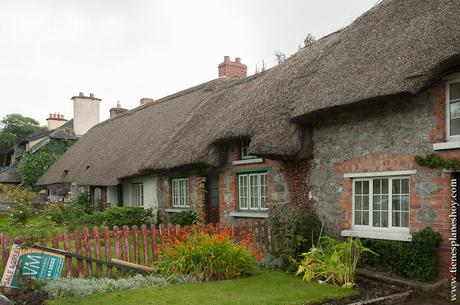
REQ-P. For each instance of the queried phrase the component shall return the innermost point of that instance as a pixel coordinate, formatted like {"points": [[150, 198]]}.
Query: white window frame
{"points": [[454, 79], [244, 150], [248, 194], [137, 194], [180, 193], [370, 227]]}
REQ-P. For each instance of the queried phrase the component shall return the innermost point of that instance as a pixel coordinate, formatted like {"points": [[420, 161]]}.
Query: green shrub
{"points": [[20, 213], [120, 216], [185, 218], [332, 261], [53, 212], [206, 257], [417, 259], [296, 229], [96, 219], [81, 201]]}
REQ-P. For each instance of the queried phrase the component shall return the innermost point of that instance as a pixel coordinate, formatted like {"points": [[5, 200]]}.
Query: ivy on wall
{"points": [[436, 161], [33, 165]]}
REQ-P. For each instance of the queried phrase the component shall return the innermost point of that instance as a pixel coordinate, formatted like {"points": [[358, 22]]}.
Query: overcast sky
{"points": [[125, 50]]}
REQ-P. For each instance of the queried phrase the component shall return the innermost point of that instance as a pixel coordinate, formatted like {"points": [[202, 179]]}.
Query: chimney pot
{"points": [[81, 94], [51, 115], [91, 95], [232, 69]]}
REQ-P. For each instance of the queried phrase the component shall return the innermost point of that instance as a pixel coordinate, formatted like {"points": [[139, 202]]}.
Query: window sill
{"points": [[248, 161], [249, 214], [446, 145], [177, 210], [388, 235]]}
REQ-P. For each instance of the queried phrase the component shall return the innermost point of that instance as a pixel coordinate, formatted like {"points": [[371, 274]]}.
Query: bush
{"points": [[20, 213], [53, 212], [417, 259], [62, 287], [206, 257], [130, 216], [185, 218], [296, 229], [96, 219], [332, 261]]}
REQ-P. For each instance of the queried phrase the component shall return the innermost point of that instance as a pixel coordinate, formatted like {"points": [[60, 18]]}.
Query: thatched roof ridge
{"points": [[398, 47]]}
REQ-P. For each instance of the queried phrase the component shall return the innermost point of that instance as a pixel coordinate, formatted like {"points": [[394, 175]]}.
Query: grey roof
{"points": [[10, 175]]}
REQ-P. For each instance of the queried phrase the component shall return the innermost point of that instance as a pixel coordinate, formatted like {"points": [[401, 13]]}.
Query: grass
{"points": [[270, 288]]}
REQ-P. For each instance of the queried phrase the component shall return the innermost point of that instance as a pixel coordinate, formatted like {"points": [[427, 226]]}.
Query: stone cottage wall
{"points": [[383, 137]]}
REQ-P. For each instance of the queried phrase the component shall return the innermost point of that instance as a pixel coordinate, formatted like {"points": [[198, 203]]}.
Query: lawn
{"points": [[270, 288]]}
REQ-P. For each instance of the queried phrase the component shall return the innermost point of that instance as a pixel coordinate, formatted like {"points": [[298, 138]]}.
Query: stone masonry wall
{"points": [[383, 137]]}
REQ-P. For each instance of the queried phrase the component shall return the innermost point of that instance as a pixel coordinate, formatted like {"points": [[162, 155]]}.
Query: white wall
{"points": [[85, 113], [150, 191]]}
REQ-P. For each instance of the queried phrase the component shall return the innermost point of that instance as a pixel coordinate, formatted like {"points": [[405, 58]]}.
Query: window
{"points": [[453, 110], [381, 203], [97, 194], [245, 150], [138, 194], [180, 193], [252, 191]]}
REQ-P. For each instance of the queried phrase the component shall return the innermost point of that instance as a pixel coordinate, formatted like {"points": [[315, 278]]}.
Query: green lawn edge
{"points": [[268, 288]]}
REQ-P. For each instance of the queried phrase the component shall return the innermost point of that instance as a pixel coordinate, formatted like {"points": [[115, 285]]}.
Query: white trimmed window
{"points": [[180, 192], [453, 109], [245, 150], [137, 194], [381, 203], [252, 191]]}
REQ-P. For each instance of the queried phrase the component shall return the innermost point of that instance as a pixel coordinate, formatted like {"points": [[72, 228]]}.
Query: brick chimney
{"points": [[146, 100], [231, 69], [85, 113], [117, 110], [55, 120]]}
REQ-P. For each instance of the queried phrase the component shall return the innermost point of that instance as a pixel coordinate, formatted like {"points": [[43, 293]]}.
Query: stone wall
{"points": [[383, 137]]}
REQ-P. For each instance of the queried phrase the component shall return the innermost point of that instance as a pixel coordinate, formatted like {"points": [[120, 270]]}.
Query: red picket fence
{"points": [[139, 246]]}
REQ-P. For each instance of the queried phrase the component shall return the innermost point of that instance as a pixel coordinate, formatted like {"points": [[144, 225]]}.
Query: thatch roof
{"points": [[398, 47]]}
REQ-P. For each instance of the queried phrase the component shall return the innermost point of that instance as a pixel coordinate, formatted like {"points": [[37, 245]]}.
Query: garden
{"points": [[187, 261]]}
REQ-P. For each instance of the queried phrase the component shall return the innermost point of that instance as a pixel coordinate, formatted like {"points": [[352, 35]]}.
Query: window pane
{"points": [[365, 218], [376, 186], [405, 219], [384, 186], [405, 186], [384, 202], [405, 203], [358, 187], [396, 219], [376, 219], [365, 202], [376, 203], [385, 219], [454, 126], [396, 202], [358, 203], [365, 187], [243, 191], [263, 190], [455, 91], [396, 189], [357, 217]]}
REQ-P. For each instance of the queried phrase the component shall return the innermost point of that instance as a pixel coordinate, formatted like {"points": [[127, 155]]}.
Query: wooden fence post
{"points": [[89, 265], [137, 257], [126, 247], [108, 249], [145, 245], [153, 236], [79, 252], [68, 260]]}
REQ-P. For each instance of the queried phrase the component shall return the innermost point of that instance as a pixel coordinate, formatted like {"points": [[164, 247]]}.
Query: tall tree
{"points": [[13, 128]]}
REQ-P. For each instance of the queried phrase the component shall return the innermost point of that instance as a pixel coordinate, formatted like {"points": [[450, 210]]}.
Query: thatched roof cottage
{"points": [[337, 125]]}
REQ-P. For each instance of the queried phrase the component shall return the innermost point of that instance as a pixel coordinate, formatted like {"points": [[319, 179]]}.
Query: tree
{"points": [[33, 166], [13, 128], [309, 40], [280, 57]]}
